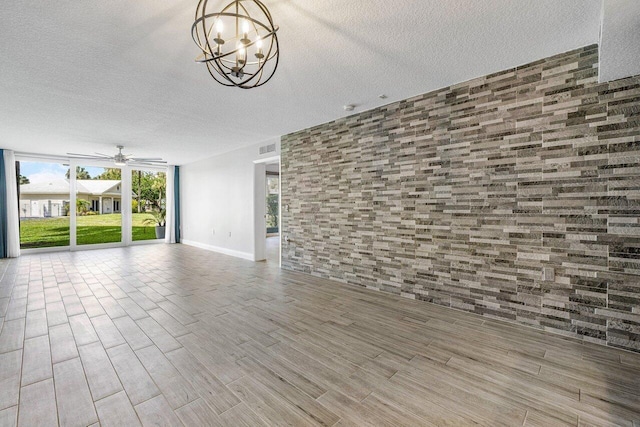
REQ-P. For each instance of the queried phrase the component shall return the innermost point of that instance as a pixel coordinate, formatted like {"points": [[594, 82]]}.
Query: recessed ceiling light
{"points": [[349, 107], [383, 96]]}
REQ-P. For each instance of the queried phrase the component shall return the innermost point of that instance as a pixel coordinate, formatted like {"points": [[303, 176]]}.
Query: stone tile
{"points": [[198, 413], [10, 368], [75, 405], [12, 335], [17, 308], [56, 314], [36, 324], [38, 405], [9, 417], [83, 330], [91, 306], [63, 346], [116, 411], [135, 379], [157, 412], [111, 307], [100, 375], [132, 333], [107, 331], [176, 389], [72, 305], [158, 335], [36, 362], [35, 301]]}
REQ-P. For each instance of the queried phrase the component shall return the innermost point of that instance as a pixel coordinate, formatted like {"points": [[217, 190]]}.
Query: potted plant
{"points": [[159, 220]]}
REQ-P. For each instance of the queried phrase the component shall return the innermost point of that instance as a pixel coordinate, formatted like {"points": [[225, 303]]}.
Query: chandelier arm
{"points": [[232, 15], [219, 68], [216, 57], [230, 83], [204, 28], [275, 67]]}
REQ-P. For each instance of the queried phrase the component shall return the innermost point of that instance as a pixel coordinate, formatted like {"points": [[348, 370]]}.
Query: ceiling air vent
{"points": [[268, 149]]}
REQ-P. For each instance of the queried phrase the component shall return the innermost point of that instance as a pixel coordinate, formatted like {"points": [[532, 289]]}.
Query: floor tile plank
{"points": [[36, 323], [10, 370], [83, 330], [75, 405], [157, 412], [136, 380], [116, 411], [100, 375], [63, 345], [38, 405], [132, 333], [9, 417], [36, 362], [12, 335]]}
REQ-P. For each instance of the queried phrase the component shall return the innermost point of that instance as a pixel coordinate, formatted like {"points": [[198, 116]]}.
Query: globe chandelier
{"points": [[239, 43]]}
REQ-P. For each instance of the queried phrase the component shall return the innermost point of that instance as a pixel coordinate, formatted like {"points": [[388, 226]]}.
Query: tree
{"points": [[272, 210], [110, 174], [82, 206], [150, 189], [159, 187], [23, 180], [81, 173]]}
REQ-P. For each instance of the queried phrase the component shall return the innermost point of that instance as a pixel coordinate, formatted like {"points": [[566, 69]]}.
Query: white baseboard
{"points": [[225, 251]]}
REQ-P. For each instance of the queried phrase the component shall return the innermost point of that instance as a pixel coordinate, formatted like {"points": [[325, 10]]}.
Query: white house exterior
{"points": [[50, 199]]}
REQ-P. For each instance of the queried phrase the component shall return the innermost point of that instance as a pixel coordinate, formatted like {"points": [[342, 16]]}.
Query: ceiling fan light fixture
{"points": [[239, 44], [120, 159]]}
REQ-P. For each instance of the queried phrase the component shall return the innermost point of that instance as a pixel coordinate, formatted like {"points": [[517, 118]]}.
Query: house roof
{"points": [[61, 186], [97, 186]]}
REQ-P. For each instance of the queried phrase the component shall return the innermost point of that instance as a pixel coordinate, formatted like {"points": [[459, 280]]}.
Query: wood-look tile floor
{"points": [[172, 335]]}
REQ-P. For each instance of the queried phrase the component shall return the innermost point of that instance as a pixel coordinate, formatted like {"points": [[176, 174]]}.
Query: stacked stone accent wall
{"points": [[515, 196]]}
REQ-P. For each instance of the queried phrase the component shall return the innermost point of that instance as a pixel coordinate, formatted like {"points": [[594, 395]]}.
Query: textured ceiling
{"points": [[83, 76]]}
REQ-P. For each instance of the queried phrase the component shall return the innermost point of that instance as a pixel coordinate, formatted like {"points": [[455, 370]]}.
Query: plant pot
{"points": [[160, 232]]}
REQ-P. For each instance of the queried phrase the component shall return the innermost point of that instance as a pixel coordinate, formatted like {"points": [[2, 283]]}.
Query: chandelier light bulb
{"points": [[219, 40], [259, 53], [241, 53], [245, 26]]}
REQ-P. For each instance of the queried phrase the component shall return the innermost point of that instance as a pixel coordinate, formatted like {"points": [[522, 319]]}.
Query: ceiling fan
{"points": [[121, 159]]}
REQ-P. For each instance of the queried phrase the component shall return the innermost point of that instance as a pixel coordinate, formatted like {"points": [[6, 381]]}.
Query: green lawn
{"points": [[50, 232]]}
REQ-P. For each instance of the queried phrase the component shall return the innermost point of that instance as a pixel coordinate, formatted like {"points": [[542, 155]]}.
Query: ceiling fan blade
{"points": [[104, 155], [147, 163], [146, 159], [88, 156]]}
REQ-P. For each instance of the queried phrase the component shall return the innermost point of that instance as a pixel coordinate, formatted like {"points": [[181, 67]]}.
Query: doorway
{"points": [[267, 210], [272, 209]]}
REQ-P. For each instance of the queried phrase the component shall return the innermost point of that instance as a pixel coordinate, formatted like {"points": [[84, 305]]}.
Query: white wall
{"points": [[620, 39], [218, 197]]}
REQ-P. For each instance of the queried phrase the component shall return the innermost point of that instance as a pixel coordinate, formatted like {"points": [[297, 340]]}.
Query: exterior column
{"points": [[100, 206], [113, 208]]}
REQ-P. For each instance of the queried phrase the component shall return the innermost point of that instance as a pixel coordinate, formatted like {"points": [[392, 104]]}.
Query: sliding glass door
{"points": [[43, 202], [148, 207], [98, 203]]}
